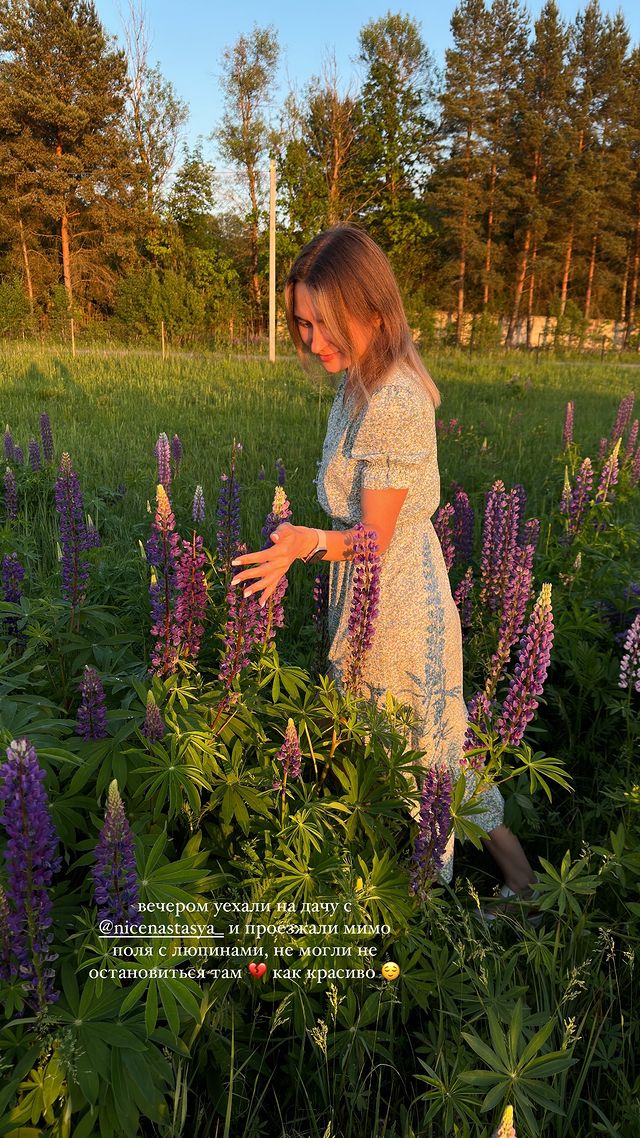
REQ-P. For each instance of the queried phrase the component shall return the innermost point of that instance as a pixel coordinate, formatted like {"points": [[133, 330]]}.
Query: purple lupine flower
{"points": [[197, 509], [463, 525], [631, 440], [289, 757], [46, 436], [623, 416], [262, 474], [18, 456], [114, 874], [10, 494], [434, 824], [191, 598], [12, 578], [274, 611], [163, 458], [479, 713], [73, 533], [163, 586], [228, 513], [630, 663], [443, 521], [565, 500], [364, 605], [512, 614], [500, 541], [281, 473], [462, 598], [92, 712], [602, 449], [608, 477], [35, 459], [579, 502], [92, 535], [320, 601], [530, 673], [176, 451], [243, 630], [153, 727], [634, 474], [32, 859], [8, 444], [567, 434]]}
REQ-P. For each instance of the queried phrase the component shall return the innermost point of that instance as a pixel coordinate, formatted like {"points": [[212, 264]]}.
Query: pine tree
{"points": [[63, 87]]}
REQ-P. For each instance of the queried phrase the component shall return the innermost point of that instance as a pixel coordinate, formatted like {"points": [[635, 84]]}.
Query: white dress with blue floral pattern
{"points": [[416, 652]]}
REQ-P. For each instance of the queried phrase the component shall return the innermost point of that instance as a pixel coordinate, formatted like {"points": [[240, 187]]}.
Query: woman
{"points": [[379, 468]]}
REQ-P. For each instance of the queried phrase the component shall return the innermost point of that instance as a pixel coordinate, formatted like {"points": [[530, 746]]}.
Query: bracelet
{"points": [[319, 549]]}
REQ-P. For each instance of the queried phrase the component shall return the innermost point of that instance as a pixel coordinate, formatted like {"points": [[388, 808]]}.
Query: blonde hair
{"points": [[350, 278]]}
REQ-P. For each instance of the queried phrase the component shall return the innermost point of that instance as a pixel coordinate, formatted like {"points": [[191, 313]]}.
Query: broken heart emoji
{"points": [[257, 970]]}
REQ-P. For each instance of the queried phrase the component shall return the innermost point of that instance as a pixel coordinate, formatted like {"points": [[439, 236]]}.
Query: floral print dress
{"points": [[416, 652]]}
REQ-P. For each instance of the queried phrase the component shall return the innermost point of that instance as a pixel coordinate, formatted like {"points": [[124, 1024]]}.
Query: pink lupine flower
{"points": [[530, 673]]}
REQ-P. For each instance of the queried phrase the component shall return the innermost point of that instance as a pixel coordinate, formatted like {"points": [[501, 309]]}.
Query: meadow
{"points": [[485, 1015]]}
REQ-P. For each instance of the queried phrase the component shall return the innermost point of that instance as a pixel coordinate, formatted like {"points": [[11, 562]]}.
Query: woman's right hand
{"points": [[269, 565]]}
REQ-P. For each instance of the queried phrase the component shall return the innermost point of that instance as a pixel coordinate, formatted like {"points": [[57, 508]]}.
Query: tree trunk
{"points": [[532, 290], [635, 271], [592, 269], [27, 267], [625, 286], [566, 272], [65, 243], [487, 259], [522, 275], [460, 313]]}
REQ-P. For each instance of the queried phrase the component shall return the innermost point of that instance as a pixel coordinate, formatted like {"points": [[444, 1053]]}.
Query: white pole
{"points": [[162, 339], [73, 339], [272, 262]]}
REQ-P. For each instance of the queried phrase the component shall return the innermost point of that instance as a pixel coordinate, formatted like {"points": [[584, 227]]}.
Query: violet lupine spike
{"points": [[74, 540], [567, 434], [228, 514], [443, 523], [92, 712], [493, 521], [289, 757], [281, 473], [530, 673], [18, 456], [274, 610], [565, 500], [5, 938], [623, 416], [602, 449], [632, 439], [262, 474], [12, 578], [243, 630], [32, 860], [463, 526], [580, 494], [462, 597], [35, 459], [434, 823], [608, 477], [630, 664], [8, 444], [530, 533], [10, 495], [191, 600], [365, 600], [513, 612], [176, 451], [198, 507], [163, 586], [114, 874], [46, 436], [153, 728], [163, 458]]}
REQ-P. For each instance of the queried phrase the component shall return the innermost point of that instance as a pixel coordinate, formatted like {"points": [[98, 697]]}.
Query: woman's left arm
{"points": [[379, 510]]}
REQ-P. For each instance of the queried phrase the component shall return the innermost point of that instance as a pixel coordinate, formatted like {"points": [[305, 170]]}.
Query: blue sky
{"points": [[187, 38]]}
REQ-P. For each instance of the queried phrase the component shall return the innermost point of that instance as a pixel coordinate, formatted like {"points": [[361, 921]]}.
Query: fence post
{"points": [[73, 338]]}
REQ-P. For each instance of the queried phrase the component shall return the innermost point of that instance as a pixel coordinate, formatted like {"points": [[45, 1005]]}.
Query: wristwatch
{"points": [[319, 549]]}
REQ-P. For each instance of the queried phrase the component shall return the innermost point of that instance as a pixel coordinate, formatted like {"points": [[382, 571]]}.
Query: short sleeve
{"points": [[395, 438]]}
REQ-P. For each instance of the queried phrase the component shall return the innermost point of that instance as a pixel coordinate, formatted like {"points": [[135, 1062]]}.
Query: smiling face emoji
{"points": [[390, 970]]}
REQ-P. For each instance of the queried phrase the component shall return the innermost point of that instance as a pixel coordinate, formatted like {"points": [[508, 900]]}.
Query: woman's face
{"points": [[316, 337]]}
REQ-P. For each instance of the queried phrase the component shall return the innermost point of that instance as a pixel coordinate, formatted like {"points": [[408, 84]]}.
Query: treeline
{"points": [[507, 186]]}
